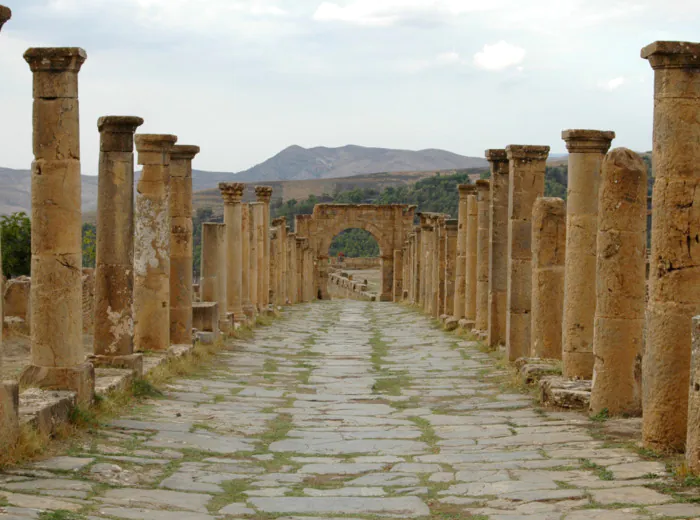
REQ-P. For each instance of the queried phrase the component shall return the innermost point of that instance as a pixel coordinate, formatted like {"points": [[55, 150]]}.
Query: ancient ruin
{"points": [[481, 317], [232, 192]]}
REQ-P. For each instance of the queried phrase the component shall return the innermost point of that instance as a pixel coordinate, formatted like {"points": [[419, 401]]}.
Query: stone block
{"points": [[44, 410], [205, 316], [565, 393]]}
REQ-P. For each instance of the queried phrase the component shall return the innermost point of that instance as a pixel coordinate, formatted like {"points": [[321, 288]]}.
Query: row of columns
{"points": [[291, 266]]}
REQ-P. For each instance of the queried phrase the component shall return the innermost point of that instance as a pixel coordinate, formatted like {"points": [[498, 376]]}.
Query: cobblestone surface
{"points": [[344, 410]]}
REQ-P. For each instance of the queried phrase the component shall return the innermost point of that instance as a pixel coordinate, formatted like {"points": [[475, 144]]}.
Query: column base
{"points": [[249, 311], [466, 324], [9, 413], [133, 362], [79, 379]]}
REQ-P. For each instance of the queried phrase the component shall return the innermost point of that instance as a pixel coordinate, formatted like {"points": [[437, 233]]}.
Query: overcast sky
{"points": [[246, 78]]}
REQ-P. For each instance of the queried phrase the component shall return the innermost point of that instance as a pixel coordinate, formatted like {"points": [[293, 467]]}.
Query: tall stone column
{"points": [[294, 275], [548, 253], [114, 272], [232, 193], [398, 274], [620, 284], [57, 356], [586, 151], [152, 244], [418, 282], [309, 272], [262, 234], [461, 261], [426, 265], [692, 445], [470, 271], [482, 254], [498, 247], [245, 253], [441, 261], [526, 183], [181, 243], [674, 273], [280, 290], [254, 219], [451, 232], [263, 195], [214, 270]]}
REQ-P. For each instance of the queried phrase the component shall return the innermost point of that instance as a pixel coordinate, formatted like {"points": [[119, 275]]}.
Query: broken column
{"points": [[548, 254], [451, 231], [526, 183], [213, 270], [586, 151], [114, 270], [232, 193], [181, 243], [498, 247], [398, 275], [483, 188], [470, 254], [674, 274], [57, 356], [263, 195], [620, 284], [152, 244], [461, 260]]}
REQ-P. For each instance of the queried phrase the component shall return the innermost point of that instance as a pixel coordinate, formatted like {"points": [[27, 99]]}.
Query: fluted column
{"points": [[674, 271], [114, 271], [57, 358], [483, 188], [264, 194], [232, 193]]}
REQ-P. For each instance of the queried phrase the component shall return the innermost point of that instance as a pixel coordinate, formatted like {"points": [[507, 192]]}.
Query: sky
{"points": [[244, 79]]}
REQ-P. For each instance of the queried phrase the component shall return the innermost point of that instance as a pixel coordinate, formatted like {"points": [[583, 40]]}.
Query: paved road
{"points": [[345, 410]]}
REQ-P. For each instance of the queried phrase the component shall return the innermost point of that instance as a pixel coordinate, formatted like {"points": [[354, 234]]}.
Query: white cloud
{"points": [[499, 56], [612, 84]]}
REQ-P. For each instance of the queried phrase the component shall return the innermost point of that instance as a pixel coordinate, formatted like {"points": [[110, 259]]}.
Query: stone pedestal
{"points": [[461, 255], [114, 272], [181, 243], [213, 269], [586, 151], [57, 356], [451, 258], [498, 247], [620, 284], [470, 271], [263, 195], [525, 184], [398, 275], [674, 271], [548, 254], [152, 244], [232, 192], [481, 320]]}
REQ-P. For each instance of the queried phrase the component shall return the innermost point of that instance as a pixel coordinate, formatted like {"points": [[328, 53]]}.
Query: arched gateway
{"points": [[389, 224]]}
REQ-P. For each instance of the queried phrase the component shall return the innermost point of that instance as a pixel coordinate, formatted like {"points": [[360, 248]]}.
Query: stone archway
{"points": [[389, 224]]}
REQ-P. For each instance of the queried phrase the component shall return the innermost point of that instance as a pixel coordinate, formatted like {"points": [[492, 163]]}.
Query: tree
{"points": [[16, 232], [89, 233]]}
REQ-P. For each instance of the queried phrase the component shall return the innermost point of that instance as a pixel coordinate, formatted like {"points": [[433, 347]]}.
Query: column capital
{"points": [[588, 141], [232, 192], [5, 15], [263, 193], [452, 224], [527, 152], [672, 55], [279, 221], [483, 185], [55, 59], [154, 142], [118, 124], [496, 155], [184, 152], [465, 190]]}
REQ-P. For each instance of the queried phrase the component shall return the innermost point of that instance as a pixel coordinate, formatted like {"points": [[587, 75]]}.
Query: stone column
{"points": [[498, 247], [417, 280], [526, 183], [294, 274], [441, 261], [57, 356], [620, 284], [213, 269], [254, 219], [586, 151], [245, 254], [451, 232], [114, 272], [181, 243], [482, 254], [692, 446], [470, 271], [548, 254], [263, 195], [461, 261], [398, 274], [232, 193], [675, 248], [280, 290], [426, 266], [152, 244]]}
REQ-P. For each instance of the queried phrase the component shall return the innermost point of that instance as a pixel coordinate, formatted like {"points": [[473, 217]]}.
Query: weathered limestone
{"points": [[232, 192], [470, 271], [586, 151], [214, 270], [114, 270], [692, 446], [398, 274], [255, 227], [620, 284], [295, 280], [461, 262], [57, 355], [498, 247], [451, 238], [152, 244], [548, 254], [263, 195], [248, 308], [417, 260], [440, 266], [483, 188], [674, 274], [181, 243], [526, 183], [279, 279]]}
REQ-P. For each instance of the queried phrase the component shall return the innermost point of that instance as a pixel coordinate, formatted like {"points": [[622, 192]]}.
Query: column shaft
{"points": [[470, 271], [482, 254], [232, 192], [213, 269], [398, 274], [451, 232], [461, 261]]}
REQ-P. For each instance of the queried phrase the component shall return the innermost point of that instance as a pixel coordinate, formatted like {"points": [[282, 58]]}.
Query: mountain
{"points": [[297, 163]]}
